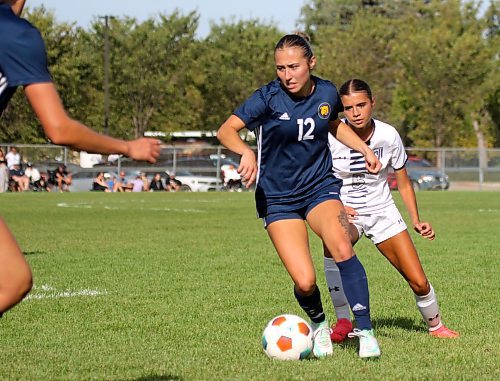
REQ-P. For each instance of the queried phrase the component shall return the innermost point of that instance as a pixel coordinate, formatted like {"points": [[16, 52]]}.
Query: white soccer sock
{"points": [[429, 308], [336, 290]]}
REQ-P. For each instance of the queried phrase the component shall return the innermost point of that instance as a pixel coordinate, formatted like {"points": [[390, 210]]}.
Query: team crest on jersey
{"points": [[378, 152], [324, 110]]}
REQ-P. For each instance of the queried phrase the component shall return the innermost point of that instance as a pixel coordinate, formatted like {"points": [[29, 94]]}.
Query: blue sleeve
{"points": [[252, 110], [25, 60], [336, 106]]}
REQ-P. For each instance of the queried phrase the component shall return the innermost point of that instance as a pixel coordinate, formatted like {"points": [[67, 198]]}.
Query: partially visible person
{"points": [[2, 156], [4, 176], [63, 178], [34, 176], [22, 182], [122, 183], [145, 181], [99, 184], [138, 184], [23, 63], [157, 183], [291, 117], [372, 211], [13, 158], [114, 184], [174, 185]]}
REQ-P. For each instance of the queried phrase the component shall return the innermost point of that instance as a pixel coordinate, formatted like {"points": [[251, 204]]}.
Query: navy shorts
{"points": [[331, 192]]}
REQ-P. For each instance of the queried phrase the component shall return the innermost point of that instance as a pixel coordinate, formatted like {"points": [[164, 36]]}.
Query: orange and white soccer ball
{"points": [[287, 337]]}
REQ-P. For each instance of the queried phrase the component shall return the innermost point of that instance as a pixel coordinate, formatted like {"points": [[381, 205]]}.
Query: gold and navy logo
{"points": [[324, 110]]}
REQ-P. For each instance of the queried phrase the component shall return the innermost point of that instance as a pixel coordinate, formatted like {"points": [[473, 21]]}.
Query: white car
{"points": [[193, 183]]}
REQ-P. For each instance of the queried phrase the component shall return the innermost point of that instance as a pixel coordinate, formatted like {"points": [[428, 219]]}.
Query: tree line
{"points": [[432, 65]]}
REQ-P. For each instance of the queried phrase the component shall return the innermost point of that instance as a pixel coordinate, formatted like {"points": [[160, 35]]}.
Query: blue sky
{"points": [[283, 13]]}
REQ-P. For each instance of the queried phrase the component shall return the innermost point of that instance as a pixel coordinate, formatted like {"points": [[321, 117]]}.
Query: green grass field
{"points": [[179, 286]]}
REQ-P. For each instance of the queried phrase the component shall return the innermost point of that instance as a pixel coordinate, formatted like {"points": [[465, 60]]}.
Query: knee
{"points": [[305, 286], [340, 251], [420, 286]]}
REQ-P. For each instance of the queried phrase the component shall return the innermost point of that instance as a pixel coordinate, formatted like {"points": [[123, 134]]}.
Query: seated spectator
{"points": [[122, 184], [113, 184], [4, 176], [157, 184], [21, 181], [37, 182], [174, 185], [137, 184], [100, 184], [62, 178], [145, 181]]}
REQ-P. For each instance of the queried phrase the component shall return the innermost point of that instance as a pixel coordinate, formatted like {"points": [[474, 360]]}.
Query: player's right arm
{"points": [[228, 135], [63, 130]]}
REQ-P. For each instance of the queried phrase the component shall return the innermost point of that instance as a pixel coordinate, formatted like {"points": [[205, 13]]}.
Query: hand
{"points": [[373, 164], [351, 214], [425, 230], [248, 168], [146, 149]]}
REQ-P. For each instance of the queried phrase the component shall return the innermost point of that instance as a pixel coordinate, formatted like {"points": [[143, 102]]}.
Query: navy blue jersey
{"points": [[292, 134], [22, 55]]}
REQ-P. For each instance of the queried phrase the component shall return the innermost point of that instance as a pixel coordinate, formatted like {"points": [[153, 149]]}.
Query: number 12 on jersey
{"points": [[309, 125]]}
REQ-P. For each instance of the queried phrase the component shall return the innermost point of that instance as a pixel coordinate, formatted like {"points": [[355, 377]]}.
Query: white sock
{"points": [[429, 308], [336, 290]]}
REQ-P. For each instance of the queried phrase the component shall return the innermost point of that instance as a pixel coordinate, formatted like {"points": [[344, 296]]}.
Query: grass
{"points": [[179, 286]]}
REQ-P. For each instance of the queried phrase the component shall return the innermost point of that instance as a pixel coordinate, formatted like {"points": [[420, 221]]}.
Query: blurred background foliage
{"points": [[432, 65]]}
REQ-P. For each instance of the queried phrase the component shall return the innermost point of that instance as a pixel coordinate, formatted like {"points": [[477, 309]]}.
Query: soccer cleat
{"points": [[322, 344], [340, 330], [368, 344], [444, 333]]}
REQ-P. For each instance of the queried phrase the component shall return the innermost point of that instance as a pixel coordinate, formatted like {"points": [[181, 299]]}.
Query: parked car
{"points": [[197, 183], [423, 175], [190, 182]]}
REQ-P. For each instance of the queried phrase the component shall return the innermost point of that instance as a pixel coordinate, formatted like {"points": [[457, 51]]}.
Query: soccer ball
{"points": [[287, 337]]}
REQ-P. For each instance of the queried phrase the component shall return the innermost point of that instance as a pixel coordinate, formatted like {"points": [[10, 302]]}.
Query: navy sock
{"points": [[355, 285], [312, 305]]}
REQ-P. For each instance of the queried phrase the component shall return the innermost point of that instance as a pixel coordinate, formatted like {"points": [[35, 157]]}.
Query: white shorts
{"points": [[380, 225]]}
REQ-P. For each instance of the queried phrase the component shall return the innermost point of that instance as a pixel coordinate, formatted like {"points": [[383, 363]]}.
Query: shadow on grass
{"points": [[34, 252], [166, 377], [399, 322]]}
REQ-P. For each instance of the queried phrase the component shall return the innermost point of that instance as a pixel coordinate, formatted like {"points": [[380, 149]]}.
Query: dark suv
{"points": [[423, 175]]}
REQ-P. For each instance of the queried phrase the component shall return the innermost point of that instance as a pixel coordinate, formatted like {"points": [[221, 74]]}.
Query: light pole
{"points": [[106, 71]]}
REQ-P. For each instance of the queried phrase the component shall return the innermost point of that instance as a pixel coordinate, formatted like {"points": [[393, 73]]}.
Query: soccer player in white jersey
{"points": [[292, 116], [23, 63], [372, 211]]}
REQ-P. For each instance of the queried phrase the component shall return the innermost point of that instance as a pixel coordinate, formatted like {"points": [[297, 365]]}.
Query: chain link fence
{"points": [[466, 168]]}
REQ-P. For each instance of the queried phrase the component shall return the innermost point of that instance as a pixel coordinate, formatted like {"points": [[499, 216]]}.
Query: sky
{"points": [[283, 13]]}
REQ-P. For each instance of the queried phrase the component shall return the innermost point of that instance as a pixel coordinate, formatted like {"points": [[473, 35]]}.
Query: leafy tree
{"points": [[150, 85], [235, 60], [445, 74]]}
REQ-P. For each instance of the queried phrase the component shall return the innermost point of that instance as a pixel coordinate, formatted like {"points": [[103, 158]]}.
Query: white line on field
{"points": [[47, 292]]}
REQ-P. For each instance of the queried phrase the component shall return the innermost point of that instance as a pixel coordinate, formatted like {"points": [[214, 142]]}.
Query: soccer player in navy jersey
{"points": [[291, 117], [23, 62], [372, 210]]}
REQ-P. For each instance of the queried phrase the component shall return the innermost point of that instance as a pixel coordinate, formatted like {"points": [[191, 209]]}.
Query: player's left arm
{"points": [[410, 200], [344, 134]]}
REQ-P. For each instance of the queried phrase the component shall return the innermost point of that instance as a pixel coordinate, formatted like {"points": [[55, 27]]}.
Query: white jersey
{"points": [[362, 190]]}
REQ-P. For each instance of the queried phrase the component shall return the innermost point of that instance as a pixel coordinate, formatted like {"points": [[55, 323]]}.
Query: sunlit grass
{"points": [[179, 286]]}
